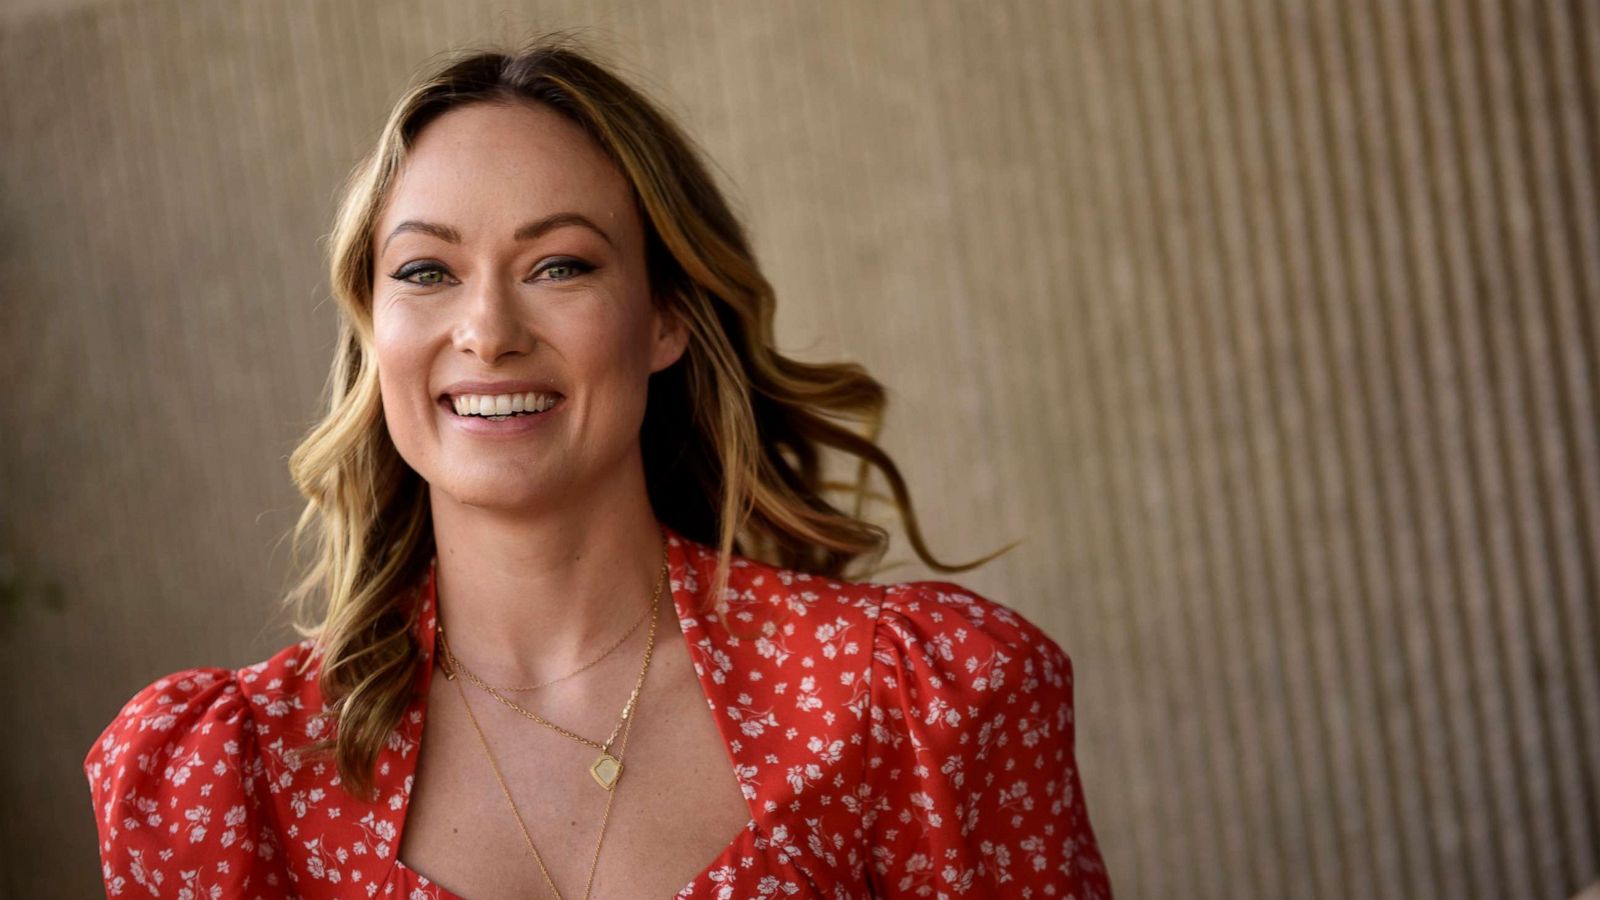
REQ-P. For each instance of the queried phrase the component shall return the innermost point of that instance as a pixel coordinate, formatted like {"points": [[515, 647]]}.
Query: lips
{"points": [[511, 427]]}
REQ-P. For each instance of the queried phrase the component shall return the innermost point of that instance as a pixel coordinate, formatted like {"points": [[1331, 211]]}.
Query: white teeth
{"points": [[501, 404]]}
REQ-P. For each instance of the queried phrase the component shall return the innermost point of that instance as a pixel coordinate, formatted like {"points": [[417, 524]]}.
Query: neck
{"points": [[525, 597]]}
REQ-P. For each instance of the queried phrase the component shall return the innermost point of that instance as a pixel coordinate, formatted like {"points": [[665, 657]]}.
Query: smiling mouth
{"points": [[479, 408]]}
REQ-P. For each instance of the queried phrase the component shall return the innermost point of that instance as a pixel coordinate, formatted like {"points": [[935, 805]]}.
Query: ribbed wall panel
{"points": [[1271, 326]]}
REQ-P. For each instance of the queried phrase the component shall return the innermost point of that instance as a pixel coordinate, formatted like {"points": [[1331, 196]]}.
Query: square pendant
{"points": [[606, 770]]}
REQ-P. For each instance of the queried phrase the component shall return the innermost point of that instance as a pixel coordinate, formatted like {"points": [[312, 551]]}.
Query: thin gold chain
{"points": [[626, 725], [627, 709], [522, 825], [609, 650]]}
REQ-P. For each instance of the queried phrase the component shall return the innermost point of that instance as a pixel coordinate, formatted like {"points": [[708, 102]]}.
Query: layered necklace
{"points": [[606, 770]]}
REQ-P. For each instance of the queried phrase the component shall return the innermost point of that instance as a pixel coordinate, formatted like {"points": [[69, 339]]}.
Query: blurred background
{"points": [[1270, 325]]}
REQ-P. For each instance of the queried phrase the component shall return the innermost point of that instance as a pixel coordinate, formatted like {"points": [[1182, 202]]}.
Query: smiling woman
{"points": [[557, 415], [561, 305]]}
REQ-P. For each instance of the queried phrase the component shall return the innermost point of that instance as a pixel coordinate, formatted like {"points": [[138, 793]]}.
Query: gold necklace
{"points": [[579, 670], [523, 826], [613, 775], [606, 768]]}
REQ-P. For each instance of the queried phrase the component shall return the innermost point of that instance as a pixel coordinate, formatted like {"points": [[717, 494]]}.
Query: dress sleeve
{"points": [[179, 794], [970, 758]]}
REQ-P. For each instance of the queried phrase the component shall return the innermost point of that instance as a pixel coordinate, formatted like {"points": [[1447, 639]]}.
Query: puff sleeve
{"points": [[179, 794], [970, 766]]}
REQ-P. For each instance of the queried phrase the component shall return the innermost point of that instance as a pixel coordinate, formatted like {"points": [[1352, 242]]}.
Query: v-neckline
{"points": [[680, 576]]}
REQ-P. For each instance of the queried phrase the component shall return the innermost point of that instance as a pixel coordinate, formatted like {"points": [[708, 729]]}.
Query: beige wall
{"points": [[1271, 325]]}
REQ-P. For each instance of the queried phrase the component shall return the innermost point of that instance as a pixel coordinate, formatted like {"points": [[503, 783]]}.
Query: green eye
{"points": [[421, 274], [565, 269]]}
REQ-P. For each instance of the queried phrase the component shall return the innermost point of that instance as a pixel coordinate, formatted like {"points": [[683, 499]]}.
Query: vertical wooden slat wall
{"points": [[1270, 325]]}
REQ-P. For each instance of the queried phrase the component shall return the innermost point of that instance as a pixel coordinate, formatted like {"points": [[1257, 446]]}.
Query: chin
{"points": [[492, 490]]}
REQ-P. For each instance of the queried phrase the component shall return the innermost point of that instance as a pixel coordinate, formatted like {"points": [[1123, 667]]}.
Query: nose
{"points": [[491, 324]]}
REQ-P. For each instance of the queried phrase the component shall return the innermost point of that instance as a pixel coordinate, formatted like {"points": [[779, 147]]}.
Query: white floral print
{"points": [[905, 740]]}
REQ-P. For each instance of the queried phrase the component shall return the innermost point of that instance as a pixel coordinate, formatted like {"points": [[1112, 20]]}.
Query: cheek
{"points": [[608, 345], [398, 347], [392, 329]]}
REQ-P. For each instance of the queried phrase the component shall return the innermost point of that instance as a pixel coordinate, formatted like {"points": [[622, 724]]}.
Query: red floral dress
{"points": [[905, 740]]}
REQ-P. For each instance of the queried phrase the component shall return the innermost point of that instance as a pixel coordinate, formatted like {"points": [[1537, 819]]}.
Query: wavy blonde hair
{"points": [[734, 433]]}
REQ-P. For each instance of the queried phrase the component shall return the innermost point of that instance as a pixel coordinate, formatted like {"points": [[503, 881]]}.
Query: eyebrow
{"points": [[536, 228]]}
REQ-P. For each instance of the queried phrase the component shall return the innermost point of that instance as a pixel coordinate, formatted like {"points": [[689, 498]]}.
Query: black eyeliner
{"points": [[413, 268]]}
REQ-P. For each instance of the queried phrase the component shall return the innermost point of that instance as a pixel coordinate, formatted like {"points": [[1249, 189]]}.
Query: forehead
{"points": [[486, 168]]}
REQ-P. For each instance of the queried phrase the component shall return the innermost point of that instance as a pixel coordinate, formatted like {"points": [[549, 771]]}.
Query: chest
{"points": [[675, 809]]}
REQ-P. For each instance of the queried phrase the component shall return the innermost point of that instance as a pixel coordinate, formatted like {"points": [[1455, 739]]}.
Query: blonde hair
{"points": [[733, 434]]}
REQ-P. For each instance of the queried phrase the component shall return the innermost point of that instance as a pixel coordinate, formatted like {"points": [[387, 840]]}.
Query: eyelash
{"points": [[405, 272]]}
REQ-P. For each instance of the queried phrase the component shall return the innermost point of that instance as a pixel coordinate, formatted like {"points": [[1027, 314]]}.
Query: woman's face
{"points": [[510, 262]]}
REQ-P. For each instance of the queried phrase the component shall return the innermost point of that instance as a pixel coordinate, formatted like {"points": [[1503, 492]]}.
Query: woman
{"points": [[556, 406]]}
